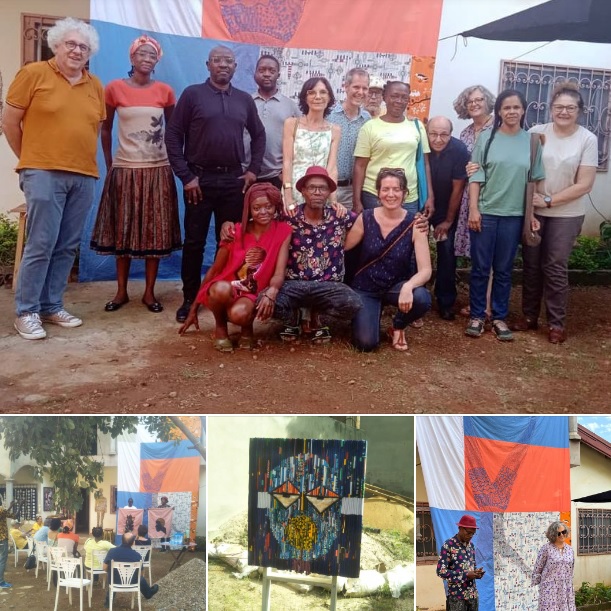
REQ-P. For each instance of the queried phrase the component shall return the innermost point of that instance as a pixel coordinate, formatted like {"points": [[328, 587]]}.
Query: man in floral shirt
{"points": [[315, 268], [456, 565]]}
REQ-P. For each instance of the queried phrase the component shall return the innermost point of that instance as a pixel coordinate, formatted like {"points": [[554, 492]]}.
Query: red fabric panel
{"points": [[176, 474]]}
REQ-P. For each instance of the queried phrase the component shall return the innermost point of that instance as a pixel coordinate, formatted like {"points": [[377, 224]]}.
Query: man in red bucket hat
{"points": [[456, 565]]}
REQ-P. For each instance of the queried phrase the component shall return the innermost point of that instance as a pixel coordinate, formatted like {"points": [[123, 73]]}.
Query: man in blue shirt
{"points": [[125, 553], [350, 116], [448, 159]]}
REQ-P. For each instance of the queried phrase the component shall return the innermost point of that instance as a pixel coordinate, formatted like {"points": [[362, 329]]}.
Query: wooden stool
{"points": [[21, 211], [109, 535]]}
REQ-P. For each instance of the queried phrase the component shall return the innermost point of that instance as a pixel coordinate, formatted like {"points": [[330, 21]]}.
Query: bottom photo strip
{"points": [[455, 513]]}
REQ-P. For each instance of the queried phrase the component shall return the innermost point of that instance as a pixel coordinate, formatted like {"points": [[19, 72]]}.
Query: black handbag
{"points": [[30, 562]]}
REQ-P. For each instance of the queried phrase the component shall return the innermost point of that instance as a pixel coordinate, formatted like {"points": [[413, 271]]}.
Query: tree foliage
{"points": [[61, 446]]}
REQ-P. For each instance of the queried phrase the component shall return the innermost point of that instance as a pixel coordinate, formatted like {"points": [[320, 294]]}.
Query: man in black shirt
{"points": [[448, 159], [205, 143]]}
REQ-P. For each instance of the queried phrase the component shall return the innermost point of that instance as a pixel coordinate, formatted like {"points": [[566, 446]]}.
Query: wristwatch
{"points": [[548, 201], [287, 185]]}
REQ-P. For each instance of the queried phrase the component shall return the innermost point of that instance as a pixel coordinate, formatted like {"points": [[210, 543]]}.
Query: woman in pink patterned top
{"points": [[553, 571]]}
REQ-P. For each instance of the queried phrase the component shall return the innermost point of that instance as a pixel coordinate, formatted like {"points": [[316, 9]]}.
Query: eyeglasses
{"points": [[317, 188], [571, 108], [562, 533], [475, 101], [147, 55], [219, 59], [314, 92], [71, 45], [441, 136]]}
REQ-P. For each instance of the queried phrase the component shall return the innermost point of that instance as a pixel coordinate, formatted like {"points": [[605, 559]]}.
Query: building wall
{"points": [[459, 66], [10, 62]]}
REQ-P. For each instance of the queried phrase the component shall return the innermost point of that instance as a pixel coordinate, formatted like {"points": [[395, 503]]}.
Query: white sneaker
{"points": [[29, 326], [62, 318]]}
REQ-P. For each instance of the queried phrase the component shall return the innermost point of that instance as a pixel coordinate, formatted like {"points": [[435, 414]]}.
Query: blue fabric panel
{"points": [[142, 500], [167, 449], [183, 63], [548, 431], [444, 524]]}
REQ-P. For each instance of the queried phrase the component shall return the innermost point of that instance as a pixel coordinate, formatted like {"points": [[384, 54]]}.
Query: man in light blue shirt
{"points": [[350, 115], [273, 108]]}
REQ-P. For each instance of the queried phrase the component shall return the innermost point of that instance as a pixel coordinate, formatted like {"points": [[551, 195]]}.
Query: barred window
{"points": [[537, 81], [594, 531], [426, 547], [34, 30]]}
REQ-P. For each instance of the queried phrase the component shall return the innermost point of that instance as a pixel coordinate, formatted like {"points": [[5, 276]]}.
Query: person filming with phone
{"points": [[456, 566]]}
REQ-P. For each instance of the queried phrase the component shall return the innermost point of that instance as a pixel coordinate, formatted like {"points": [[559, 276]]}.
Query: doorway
{"points": [[82, 516]]}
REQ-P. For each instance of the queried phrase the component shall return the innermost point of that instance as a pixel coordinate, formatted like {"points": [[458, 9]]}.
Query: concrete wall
{"points": [[459, 66], [10, 62]]}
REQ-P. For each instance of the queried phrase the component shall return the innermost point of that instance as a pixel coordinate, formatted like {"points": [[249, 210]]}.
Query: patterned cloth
{"points": [[4, 514], [455, 560], [310, 148], [317, 251], [553, 573]]}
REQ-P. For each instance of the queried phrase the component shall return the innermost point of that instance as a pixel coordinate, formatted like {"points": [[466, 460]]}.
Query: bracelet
{"points": [[266, 295]]}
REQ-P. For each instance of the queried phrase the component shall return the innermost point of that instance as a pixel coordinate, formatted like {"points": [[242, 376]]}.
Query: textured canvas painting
{"points": [[305, 505]]}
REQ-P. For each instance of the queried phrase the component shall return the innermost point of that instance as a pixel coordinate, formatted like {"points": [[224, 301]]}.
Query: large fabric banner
{"points": [[391, 39], [512, 475], [149, 469]]}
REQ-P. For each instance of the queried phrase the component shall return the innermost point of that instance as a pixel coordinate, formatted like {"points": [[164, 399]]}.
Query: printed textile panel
{"points": [[181, 502], [128, 520], [517, 539], [305, 505]]}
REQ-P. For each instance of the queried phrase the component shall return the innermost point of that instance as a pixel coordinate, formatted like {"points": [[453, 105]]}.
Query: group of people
{"points": [[292, 188], [552, 572]]}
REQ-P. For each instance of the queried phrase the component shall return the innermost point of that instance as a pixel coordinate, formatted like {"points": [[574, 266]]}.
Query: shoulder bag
{"points": [[423, 190], [530, 237]]}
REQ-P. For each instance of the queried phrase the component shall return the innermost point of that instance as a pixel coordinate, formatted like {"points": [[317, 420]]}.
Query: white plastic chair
{"points": [[41, 556], [70, 575], [96, 568], [54, 555], [26, 550], [68, 545], [125, 572], [144, 551]]}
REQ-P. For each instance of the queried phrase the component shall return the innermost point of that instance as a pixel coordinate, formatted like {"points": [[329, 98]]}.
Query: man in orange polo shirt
{"points": [[51, 121]]}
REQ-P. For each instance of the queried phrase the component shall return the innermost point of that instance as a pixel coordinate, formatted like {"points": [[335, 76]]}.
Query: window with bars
{"points": [[537, 81], [34, 30], [426, 547], [594, 531]]}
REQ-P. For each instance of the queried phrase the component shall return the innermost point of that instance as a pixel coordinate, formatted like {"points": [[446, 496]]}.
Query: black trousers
{"points": [[223, 198]]}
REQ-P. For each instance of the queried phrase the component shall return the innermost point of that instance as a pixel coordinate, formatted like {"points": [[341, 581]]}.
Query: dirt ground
{"points": [[29, 593], [133, 361]]}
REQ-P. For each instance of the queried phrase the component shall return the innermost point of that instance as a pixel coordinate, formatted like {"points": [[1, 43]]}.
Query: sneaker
{"points": [[28, 325], [289, 334], [321, 336], [62, 318], [502, 331], [475, 327], [5, 584]]}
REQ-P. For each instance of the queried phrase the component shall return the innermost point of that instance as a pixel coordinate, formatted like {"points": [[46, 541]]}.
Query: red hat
{"points": [[319, 171], [467, 522]]}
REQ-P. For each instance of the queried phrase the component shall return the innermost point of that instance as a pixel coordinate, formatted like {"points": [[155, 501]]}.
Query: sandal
{"points": [[223, 344], [246, 343], [289, 334], [400, 343], [321, 336]]}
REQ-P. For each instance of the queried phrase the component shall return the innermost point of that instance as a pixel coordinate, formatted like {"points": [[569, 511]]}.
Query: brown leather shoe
{"points": [[524, 324], [557, 335]]}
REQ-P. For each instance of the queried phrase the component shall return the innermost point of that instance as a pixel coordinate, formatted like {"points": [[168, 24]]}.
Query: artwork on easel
{"points": [[305, 505]]}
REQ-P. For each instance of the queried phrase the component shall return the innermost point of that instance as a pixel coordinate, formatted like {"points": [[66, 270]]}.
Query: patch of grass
{"points": [[8, 240]]}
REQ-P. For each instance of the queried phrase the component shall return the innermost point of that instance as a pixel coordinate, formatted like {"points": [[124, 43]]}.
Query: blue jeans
{"points": [[371, 201], [494, 247], [445, 278], [366, 323], [325, 297], [57, 205], [3, 558]]}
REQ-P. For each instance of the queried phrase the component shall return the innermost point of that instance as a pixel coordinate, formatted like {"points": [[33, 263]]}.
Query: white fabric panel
{"points": [[352, 506], [128, 457], [441, 446], [181, 17], [264, 500]]}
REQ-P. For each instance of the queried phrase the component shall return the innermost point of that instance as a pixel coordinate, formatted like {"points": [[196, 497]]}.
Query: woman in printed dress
{"points": [[138, 213], [553, 571]]}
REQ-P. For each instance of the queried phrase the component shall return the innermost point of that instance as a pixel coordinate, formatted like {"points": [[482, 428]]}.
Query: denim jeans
{"points": [[546, 269], [494, 247], [366, 323], [223, 197], [3, 557], [326, 297], [57, 205], [445, 278]]}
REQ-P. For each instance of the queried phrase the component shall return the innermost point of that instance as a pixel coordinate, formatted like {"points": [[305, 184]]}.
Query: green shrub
{"points": [[8, 240], [590, 254], [592, 595]]}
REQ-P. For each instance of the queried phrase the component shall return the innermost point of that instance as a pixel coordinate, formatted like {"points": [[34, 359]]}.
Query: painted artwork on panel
{"points": [[305, 505]]}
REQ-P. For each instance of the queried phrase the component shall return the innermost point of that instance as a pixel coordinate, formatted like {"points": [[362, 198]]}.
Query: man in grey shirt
{"points": [[273, 108], [350, 115]]}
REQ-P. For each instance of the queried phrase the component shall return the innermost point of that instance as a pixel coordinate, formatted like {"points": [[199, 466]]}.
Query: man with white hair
{"points": [[53, 113]]}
